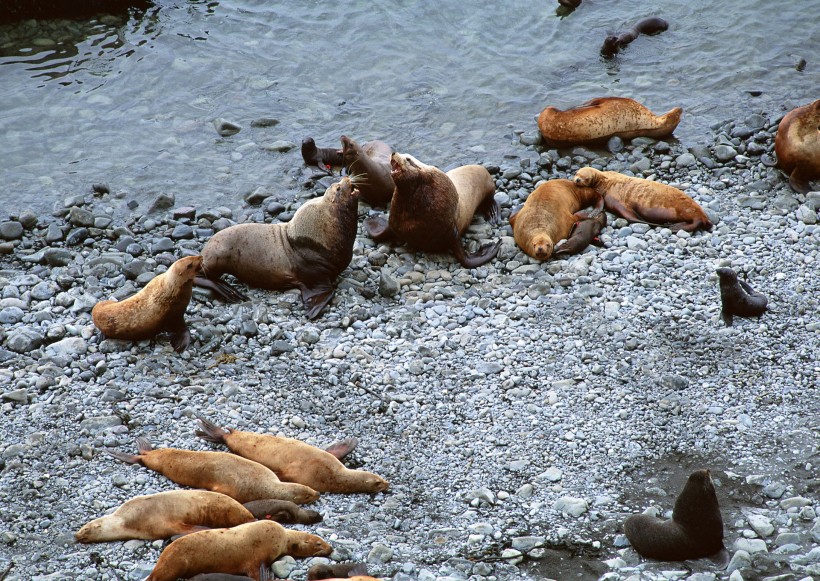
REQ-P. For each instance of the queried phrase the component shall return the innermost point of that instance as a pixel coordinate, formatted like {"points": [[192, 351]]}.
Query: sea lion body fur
{"points": [[797, 145], [584, 232], [325, 158], [369, 164]]}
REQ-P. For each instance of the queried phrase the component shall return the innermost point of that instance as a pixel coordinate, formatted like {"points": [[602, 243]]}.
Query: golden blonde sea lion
{"points": [[797, 145]]}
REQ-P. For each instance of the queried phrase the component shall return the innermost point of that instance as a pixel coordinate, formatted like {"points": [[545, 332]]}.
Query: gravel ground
{"points": [[521, 410]]}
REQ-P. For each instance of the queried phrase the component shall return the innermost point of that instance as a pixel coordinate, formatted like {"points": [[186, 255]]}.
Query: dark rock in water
{"points": [[265, 122], [133, 205], [162, 202], [226, 128], [16, 10], [100, 189]]}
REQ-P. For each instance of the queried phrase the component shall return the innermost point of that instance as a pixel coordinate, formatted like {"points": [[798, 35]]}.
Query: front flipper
{"points": [[316, 297], [727, 318], [342, 448], [482, 256], [181, 339], [799, 184], [186, 529], [378, 229], [221, 288]]}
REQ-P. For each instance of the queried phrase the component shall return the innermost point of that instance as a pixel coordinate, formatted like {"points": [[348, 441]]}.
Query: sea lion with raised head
{"points": [[369, 163], [243, 549], [307, 253], [695, 531], [325, 158], [640, 200], [797, 145], [599, 119], [584, 232], [737, 297], [282, 511], [239, 478], [549, 214], [157, 307], [649, 26], [431, 210], [294, 461]]}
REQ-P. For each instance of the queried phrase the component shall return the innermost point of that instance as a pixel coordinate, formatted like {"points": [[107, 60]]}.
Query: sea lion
{"points": [[431, 210], [695, 531], [282, 511], [164, 515], [640, 200], [239, 478], [294, 461], [649, 26], [549, 214], [159, 306], [583, 233], [307, 253], [370, 163], [239, 550], [599, 119], [737, 297], [325, 158], [339, 572], [264, 575], [797, 145]]}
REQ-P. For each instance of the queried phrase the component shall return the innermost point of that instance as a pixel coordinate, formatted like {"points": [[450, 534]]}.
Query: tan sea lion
{"points": [[549, 214], [164, 515], [239, 478], [159, 306], [282, 511], [294, 461], [307, 253], [602, 118], [640, 200], [370, 164], [239, 550], [695, 531], [797, 145], [431, 210]]}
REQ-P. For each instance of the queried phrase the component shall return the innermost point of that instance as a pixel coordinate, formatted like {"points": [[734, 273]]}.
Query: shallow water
{"points": [[129, 101]]}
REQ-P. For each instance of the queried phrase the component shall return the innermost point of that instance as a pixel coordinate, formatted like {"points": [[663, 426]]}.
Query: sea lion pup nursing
{"points": [[369, 163], [695, 531], [797, 145], [294, 461], [239, 478], [243, 549], [307, 253], [640, 200], [431, 210], [339, 572], [599, 119], [737, 297], [583, 233], [159, 306]]}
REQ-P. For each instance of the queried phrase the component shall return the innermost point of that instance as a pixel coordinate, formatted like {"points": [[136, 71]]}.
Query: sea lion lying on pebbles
{"points": [[583, 233], [339, 572], [649, 26], [282, 511], [370, 164], [797, 145], [325, 158], [737, 297]]}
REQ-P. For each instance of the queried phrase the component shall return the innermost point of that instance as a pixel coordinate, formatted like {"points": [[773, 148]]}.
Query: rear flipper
{"points": [[180, 340], [721, 558], [799, 184], [727, 318], [316, 297], [186, 529], [490, 210], [342, 448], [378, 229], [128, 458], [482, 256], [211, 432], [222, 289]]}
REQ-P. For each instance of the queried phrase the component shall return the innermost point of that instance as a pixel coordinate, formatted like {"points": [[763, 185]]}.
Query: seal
{"points": [[239, 478], [282, 511], [370, 163], [640, 200], [264, 575], [797, 145], [325, 158], [164, 515], [649, 26], [339, 572], [243, 549], [159, 306], [600, 119], [583, 233], [737, 297], [431, 210], [549, 214], [294, 461], [695, 531], [307, 253]]}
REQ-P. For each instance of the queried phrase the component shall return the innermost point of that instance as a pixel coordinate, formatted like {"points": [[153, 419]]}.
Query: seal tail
{"points": [[222, 289], [211, 432]]}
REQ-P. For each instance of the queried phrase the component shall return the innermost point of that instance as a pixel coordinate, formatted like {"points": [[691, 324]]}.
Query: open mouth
{"points": [[395, 166]]}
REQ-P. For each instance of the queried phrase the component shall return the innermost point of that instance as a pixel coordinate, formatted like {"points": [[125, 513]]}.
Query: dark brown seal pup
{"points": [[583, 233], [599, 119], [737, 297], [370, 164], [325, 158], [339, 572], [307, 253], [695, 531], [294, 461], [239, 478], [640, 200], [164, 515], [239, 550], [282, 511], [159, 306], [649, 26], [431, 210], [549, 214], [797, 145]]}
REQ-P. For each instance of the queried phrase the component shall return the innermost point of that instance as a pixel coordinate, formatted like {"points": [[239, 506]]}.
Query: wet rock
{"points": [[161, 203], [571, 505], [11, 230], [24, 340], [265, 122], [80, 217], [226, 128]]}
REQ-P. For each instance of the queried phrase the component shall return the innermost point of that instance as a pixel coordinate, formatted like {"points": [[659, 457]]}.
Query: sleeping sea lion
{"points": [[583, 233]]}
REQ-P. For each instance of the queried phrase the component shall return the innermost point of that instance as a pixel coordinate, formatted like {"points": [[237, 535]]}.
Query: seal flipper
{"points": [[490, 210], [180, 340], [211, 432], [378, 229], [188, 529], [222, 289], [342, 448], [123, 457], [264, 574], [316, 297], [798, 184], [721, 558], [481, 256], [727, 318]]}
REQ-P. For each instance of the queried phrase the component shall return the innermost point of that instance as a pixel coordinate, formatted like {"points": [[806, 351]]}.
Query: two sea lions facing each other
{"points": [[797, 145], [640, 200], [737, 297], [370, 164], [602, 118], [648, 26]]}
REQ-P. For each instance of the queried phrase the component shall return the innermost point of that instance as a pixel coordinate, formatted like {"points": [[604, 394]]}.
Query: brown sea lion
{"points": [[431, 210], [695, 531], [649, 26], [549, 214], [264, 575], [602, 118], [325, 158], [370, 164], [737, 297], [159, 306], [583, 233], [339, 572], [164, 515], [239, 550], [239, 478], [294, 461], [797, 145], [282, 511], [640, 200], [307, 253]]}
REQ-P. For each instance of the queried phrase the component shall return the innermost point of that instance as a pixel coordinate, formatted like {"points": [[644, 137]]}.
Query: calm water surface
{"points": [[129, 100]]}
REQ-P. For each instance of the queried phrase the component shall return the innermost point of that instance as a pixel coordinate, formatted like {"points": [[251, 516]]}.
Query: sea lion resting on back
{"points": [[797, 145]]}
